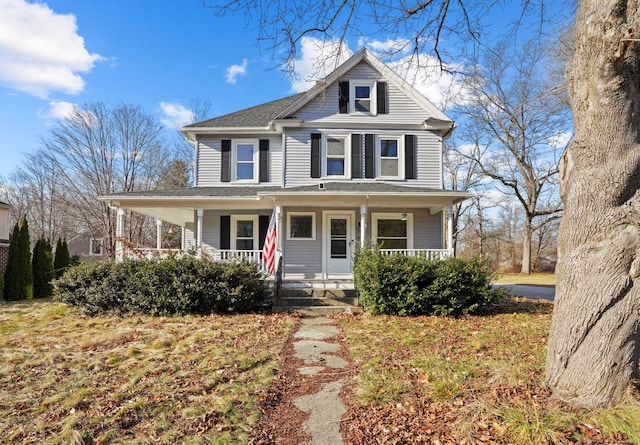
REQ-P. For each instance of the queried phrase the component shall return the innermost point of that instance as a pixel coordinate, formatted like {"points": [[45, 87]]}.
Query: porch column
{"points": [[279, 233], [363, 224], [158, 234], [200, 214], [120, 235], [450, 231]]}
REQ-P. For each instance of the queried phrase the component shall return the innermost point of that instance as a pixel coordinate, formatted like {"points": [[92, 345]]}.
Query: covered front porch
{"points": [[318, 229]]}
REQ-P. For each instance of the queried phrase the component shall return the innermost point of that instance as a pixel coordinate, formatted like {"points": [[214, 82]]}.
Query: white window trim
{"points": [[313, 225], [347, 155], [400, 139], [234, 160], [91, 242], [234, 230], [375, 217], [373, 96]]}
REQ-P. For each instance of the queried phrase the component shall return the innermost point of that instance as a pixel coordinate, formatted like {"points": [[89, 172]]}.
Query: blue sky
{"points": [[157, 54]]}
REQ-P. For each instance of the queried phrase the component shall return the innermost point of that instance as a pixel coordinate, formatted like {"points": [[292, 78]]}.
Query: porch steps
{"points": [[313, 301]]}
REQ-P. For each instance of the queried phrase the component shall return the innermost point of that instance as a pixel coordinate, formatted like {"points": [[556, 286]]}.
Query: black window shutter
{"points": [[343, 99], [369, 156], [264, 160], [225, 232], [381, 97], [356, 156], [409, 156], [263, 225], [225, 150], [315, 155]]}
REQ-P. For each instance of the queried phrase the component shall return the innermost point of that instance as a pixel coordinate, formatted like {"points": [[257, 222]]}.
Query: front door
{"points": [[338, 235]]}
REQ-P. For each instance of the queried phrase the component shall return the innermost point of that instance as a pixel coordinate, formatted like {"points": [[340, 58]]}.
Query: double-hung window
{"points": [[390, 157], [245, 160], [336, 157], [363, 97], [244, 232]]}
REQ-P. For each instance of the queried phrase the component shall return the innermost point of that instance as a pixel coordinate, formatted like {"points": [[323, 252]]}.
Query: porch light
{"points": [[403, 217]]}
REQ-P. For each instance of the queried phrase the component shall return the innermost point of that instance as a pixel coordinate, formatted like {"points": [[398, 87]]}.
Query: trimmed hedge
{"points": [[171, 286], [401, 285]]}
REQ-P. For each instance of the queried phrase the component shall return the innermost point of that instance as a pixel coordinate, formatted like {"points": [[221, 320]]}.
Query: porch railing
{"points": [[429, 254], [256, 255]]}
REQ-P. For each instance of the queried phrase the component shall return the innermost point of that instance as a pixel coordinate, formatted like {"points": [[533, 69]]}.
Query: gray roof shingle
{"points": [[258, 116]]}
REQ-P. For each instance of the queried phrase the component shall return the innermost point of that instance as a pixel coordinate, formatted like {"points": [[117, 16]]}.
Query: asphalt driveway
{"points": [[526, 290]]}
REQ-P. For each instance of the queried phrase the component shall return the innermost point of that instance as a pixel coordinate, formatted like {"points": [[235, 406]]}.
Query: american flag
{"points": [[269, 248]]}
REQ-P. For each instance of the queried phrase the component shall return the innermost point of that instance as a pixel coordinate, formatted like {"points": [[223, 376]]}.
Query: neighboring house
{"points": [[4, 235], [85, 248], [355, 160]]}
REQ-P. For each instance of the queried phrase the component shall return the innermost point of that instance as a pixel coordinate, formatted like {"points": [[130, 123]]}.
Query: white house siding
{"points": [[209, 159], [428, 161], [323, 110], [298, 162], [302, 258], [4, 223], [189, 240], [427, 229]]}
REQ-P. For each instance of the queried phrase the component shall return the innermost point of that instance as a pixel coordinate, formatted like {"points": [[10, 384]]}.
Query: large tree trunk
{"points": [[593, 344]]}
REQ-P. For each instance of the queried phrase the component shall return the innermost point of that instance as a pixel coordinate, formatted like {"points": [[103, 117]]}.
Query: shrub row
{"points": [[402, 285], [172, 286]]}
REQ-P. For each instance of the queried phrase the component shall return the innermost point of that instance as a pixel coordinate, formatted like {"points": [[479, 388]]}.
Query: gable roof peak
{"points": [[364, 54]]}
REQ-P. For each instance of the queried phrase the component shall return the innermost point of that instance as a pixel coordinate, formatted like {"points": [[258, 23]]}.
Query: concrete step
{"points": [[315, 301]]}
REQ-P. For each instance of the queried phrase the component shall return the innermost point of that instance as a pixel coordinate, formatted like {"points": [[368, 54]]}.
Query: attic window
{"points": [[362, 97]]}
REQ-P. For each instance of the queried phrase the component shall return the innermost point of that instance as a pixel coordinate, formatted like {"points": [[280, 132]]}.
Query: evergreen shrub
{"points": [[42, 269], [401, 285], [171, 286]]}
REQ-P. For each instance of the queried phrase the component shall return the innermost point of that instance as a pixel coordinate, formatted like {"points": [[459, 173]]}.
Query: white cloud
{"points": [[424, 72], [57, 110], [234, 71], [317, 59], [397, 46], [175, 115], [40, 50], [560, 141]]}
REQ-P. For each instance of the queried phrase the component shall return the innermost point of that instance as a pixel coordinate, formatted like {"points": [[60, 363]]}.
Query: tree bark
{"points": [[593, 344]]}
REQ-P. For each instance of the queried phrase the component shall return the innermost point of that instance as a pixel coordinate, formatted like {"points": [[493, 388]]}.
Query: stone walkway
{"points": [[314, 347]]}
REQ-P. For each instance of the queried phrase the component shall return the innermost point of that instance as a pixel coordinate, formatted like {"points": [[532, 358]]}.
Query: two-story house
{"points": [[356, 160]]}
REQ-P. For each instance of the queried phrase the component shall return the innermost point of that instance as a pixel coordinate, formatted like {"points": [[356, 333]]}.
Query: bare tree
{"points": [[100, 150], [37, 189], [461, 173], [516, 113]]}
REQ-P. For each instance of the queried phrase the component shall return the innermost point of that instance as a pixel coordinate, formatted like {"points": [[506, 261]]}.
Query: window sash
{"points": [[245, 160]]}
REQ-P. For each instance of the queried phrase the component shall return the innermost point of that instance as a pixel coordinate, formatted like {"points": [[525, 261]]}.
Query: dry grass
{"points": [[66, 378], [538, 279], [474, 379]]}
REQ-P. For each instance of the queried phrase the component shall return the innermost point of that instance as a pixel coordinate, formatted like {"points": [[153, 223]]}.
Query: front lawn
{"points": [[467, 380], [67, 378]]}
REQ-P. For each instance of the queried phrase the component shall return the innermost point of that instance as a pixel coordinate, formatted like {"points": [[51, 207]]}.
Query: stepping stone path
{"points": [[313, 346]]}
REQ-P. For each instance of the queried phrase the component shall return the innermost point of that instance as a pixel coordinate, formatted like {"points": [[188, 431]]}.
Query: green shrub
{"points": [[402, 285], [172, 286], [42, 269]]}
